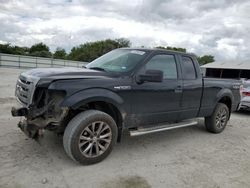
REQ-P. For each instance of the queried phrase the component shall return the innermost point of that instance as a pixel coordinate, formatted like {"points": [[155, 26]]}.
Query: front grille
{"points": [[25, 88], [22, 91]]}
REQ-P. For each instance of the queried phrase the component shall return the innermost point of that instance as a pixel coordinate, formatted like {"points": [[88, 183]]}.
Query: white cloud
{"points": [[217, 27]]}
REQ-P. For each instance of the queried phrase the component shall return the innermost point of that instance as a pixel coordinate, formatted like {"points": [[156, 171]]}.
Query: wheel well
{"points": [[107, 108], [227, 101]]}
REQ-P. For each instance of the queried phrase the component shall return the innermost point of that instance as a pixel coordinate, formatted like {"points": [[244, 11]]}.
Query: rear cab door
{"points": [[192, 86]]}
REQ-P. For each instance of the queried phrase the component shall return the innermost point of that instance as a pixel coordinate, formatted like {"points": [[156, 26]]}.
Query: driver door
{"points": [[158, 102]]}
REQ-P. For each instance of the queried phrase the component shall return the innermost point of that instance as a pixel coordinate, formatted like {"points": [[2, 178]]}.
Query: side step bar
{"points": [[142, 131]]}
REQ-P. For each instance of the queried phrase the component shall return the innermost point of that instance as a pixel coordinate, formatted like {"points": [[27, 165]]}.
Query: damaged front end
{"points": [[40, 107]]}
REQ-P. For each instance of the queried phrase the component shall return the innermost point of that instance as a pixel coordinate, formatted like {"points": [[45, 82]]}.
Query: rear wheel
{"points": [[217, 122], [90, 136]]}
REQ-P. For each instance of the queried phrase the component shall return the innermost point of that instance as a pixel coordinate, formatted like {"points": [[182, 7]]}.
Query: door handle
{"points": [[178, 89]]}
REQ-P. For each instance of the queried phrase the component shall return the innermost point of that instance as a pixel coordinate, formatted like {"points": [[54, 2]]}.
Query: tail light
{"points": [[246, 93]]}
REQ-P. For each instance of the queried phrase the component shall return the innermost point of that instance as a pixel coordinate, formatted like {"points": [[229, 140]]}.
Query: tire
{"points": [[90, 136], [217, 122]]}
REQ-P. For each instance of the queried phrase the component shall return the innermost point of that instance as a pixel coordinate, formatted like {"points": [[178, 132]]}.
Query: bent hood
{"points": [[64, 72], [47, 75]]}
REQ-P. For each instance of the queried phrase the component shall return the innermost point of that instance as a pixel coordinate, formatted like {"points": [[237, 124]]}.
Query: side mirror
{"points": [[151, 76]]}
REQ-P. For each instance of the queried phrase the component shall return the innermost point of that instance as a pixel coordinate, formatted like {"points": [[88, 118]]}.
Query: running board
{"points": [[142, 131]]}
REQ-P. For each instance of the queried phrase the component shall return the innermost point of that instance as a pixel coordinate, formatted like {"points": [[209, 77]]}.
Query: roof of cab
{"points": [[160, 50]]}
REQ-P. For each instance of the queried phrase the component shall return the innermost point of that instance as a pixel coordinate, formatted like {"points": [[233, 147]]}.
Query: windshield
{"points": [[120, 60]]}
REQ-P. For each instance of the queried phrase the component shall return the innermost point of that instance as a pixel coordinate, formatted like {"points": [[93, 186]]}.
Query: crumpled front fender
{"points": [[89, 95]]}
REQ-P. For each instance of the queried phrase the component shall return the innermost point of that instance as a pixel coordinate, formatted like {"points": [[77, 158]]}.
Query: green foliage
{"points": [[41, 54], [39, 47], [205, 59], [92, 50], [8, 49], [202, 59], [85, 52], [20, 50], [122, 42], [172, 48], [40, 50], [60, 53]]}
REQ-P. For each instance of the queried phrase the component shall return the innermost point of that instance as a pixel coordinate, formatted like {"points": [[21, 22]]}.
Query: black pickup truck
{"points": [[140, 90]]}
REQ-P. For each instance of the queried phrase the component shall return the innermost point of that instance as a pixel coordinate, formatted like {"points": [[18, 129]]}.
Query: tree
{"points": [[205, 59], [40, 50], [92, 50], [87, 51], [41, 54], [122, 42], [39, 47], [20, 50], [60, 53], [172, 48], [8, 49]]}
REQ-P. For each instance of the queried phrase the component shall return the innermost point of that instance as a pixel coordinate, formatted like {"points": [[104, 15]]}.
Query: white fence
{"points": [[20, 61]]}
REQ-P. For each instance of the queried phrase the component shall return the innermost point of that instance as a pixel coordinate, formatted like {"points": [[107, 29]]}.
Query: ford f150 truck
{"points": [[139, 90]]}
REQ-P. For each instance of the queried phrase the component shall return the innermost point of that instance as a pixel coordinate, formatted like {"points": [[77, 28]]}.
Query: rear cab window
{"points": [[188, 68]]}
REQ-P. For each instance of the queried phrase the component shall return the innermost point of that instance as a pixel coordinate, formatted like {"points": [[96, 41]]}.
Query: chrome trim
{"points": [[122, 87], [162, 128], [25, 88]]}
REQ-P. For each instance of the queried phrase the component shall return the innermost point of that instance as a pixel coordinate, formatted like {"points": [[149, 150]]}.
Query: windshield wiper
{"points": [[97, 68]]}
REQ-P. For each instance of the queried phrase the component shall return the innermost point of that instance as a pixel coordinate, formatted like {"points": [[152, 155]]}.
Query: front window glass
{"points": [[120, 60], [165, 63]]}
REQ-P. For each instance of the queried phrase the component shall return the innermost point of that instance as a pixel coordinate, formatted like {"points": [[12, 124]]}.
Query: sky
{"points": [[217, 27]]}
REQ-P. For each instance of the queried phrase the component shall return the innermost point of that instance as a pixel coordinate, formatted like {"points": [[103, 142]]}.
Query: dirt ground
{"points": [[187, 157]]}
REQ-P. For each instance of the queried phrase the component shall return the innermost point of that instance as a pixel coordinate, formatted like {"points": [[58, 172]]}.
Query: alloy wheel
{"points": [[95, 139], [221, 118]]}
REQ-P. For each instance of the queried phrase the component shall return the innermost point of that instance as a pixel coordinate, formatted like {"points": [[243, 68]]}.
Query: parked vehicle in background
{"points": [[245, 100], [141, 90]]}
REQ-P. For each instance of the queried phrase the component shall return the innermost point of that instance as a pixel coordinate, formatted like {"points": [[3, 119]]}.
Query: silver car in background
{"points": [[245, 100]]}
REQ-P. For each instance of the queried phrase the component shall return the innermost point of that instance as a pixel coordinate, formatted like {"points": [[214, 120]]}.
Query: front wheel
{"points": [[217, 122], [90, 137]]}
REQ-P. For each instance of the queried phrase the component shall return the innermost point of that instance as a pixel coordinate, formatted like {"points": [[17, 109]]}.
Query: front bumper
{"points": [[20, 111], [245, 105], [30, 130]]}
